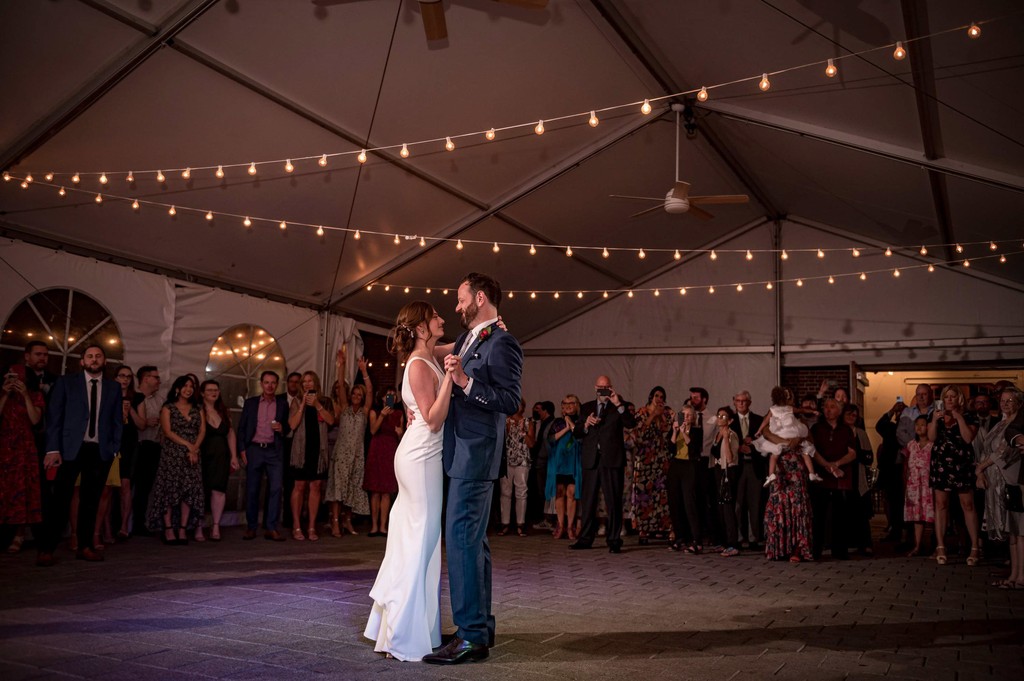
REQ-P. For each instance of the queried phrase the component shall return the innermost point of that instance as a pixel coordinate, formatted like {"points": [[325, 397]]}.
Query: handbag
{"points": [[725, 490], [1013, 499]]}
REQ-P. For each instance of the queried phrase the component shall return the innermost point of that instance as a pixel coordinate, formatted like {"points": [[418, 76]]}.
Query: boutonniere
{"points": [[485, 333]]}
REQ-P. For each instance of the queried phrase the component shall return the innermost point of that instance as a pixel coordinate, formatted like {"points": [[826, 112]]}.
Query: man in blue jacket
{"points": [[260, 442]]}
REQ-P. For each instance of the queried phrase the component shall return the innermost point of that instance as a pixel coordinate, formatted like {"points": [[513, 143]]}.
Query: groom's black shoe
{"points": [[579, 546], [458, 651]]}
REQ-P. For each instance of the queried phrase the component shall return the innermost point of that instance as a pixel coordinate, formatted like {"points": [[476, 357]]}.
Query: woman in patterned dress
{"points": [[998, 470], [650, 467], [344, 488], [918, 505], [179, 481], [787, 517], [20, 491], [517, 468], [952, 430]]}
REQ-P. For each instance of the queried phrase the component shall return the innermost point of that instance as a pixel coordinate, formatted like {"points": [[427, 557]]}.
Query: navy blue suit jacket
{"points": [[67, 418], [250, 416], [474, 431]]}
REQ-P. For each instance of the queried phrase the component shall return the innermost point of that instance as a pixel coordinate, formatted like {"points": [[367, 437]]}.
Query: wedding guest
{"points": [[787, 516], [836, 448], [994, 472], [517, 470], [261, 434], [650, 467], [539, 509], [565, 473], [218, 453], [308, 421], [344, 489], [726, 460], [891, 465], [129, 446], [952, 430], [753, 470], [146, 404], [682, 482], [919, 506], [387, 423], [861, 507], [1008, 462], [179, 480], [21, 409]]}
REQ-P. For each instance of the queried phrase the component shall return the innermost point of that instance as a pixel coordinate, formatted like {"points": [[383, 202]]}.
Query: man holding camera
{"points": [[600, 428]]}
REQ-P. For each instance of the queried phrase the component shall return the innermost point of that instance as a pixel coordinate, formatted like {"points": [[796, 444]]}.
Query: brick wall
{"points": [[806, 380]]}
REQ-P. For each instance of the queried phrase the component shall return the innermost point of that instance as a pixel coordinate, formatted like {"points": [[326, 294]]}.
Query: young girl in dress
{"points": [[919, 506], [784, 423]]}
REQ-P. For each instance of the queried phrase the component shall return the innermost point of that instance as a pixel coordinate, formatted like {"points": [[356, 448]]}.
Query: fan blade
{"points": [[720, 198], [433, 19], [636, 198], [681, 190], [529, 4], [648, 210], [699, 213]]}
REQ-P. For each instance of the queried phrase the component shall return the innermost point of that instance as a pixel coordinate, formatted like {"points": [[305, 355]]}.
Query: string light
{"points": [[604, 295], [130, 179], [209, 216], [568, 251], [605, 253], [931, 268], [924, 250], [533, 250], [135, 206], [711, 289], [959, 248], [579, 294], [896, 273], [682, 291], [593, 120], [831, 69], [863, 276], [423, 242], [361, 157], [186, 174], [677, 255], [247, 222], [511, 294], [220, 172], [1002, 260], [702, 96], [323, 161], [821, 253], [641, 254], [556, 296], [357, 235], [974, 31], [490, 135], [404, 153], [320, 232], [533, 295], [99, 198], [899, 53], [496, 248], [831, 279], [784, 255], [992, 246], [406, 291], [713, 256], [48, 177], [448, 144], [75, 178], [103, 178], [630, 294], [739, 288], [397, 240], [967, 263], [657, 293], [7, 176], [252, 168], [458, 245], [888, 252], [288, 167], [283, 225], [24, 184], [645, 108], [799, 282], [539, 128], [61, 192], [765, 84], [172, 212], [856, 253], [159, 177], [387, 288], [769, 286], [749, 255]]}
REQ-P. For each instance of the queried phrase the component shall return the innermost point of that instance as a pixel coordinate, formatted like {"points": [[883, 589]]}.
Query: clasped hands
{"points": [[453, 366]]}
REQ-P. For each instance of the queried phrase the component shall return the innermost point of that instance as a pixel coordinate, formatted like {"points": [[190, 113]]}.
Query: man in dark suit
{"points": [[260, 442], [486, 367], [83, 434], [753, 469], [37, 377], [599, 427]]}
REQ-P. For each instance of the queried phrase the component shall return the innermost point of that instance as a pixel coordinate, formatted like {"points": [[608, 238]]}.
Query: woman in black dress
{"points": [[952, 430], [218, 452], [309, 419]]}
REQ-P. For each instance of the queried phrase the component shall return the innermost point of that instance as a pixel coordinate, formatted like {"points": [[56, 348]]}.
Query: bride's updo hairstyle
{"points": [[402, 338]]}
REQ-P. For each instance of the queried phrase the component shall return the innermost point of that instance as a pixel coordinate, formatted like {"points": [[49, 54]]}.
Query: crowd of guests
{"points": [[113, 459]]}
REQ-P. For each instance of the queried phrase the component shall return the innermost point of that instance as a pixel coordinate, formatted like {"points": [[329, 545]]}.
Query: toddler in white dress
{"points": [[784, 423]]}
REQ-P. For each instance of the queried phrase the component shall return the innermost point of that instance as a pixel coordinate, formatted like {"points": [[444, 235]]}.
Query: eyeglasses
{"points": [[124, 375], [568, 404]]}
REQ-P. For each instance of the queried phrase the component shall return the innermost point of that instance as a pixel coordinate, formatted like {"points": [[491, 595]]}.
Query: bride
{"points": [[405, 620]]}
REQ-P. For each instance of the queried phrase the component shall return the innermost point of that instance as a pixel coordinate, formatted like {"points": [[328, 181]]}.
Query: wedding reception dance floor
{"points": [[296, 610]]}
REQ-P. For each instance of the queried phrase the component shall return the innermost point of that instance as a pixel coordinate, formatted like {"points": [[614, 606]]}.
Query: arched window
{"points": [[67, 321], [238, 357]]}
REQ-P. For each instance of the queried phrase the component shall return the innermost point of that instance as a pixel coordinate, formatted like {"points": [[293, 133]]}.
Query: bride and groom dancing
{"points": [[458, 424]]}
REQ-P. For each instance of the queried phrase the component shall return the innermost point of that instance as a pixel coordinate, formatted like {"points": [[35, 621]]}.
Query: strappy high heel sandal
{"points": [[335, 527], [311, 533], [297, 535], [940, 555], [973, 559]]}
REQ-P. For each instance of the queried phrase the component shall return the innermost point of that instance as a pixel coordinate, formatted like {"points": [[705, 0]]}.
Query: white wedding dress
{"points": [[406, 617]]}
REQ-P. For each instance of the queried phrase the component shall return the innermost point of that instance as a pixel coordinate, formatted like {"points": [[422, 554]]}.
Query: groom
{"points": [[486, 366]]}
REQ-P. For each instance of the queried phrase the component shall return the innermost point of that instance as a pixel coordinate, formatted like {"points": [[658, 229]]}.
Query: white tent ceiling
{"points": [[925, 150]]}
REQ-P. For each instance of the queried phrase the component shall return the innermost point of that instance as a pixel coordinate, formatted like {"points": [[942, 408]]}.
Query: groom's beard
{"points": [[469, 315]]}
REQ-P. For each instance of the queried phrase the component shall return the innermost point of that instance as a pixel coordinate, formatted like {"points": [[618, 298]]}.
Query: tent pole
{"points": [[777, 269]]}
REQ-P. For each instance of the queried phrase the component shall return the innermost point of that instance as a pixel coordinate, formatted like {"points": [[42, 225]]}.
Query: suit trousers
{"points": [[514, 478], [707, 500], [469, 558], [269, 460], [94, 471], [750, 501], [831, 511], [682, 500], [147, 460], [727, 510], [610, 481]]}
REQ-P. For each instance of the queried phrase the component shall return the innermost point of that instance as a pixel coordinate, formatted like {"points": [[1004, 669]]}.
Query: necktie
{"points": [[700, 419], [92, 408], [744, 425], [466, 345], [600, 409]]}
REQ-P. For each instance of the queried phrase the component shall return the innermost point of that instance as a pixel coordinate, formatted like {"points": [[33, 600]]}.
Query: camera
{"points": [[389, 400], [604, 392]]}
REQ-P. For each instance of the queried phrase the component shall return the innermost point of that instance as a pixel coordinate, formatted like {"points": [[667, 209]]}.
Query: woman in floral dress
{"points": [[918, 506], [20, 491], [953, 429], [517, 469], [650, 467], [787, 517], [344, 489]]}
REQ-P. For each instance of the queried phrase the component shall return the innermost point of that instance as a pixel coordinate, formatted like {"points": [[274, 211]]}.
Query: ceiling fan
{"points": [[678, 200]]}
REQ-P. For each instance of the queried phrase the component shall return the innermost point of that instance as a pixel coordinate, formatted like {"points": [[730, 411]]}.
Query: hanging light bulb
{"points": [[702, 96], [967, 263], [896, 273], [288, 167], [511, 294], [739, 288], [821, 253], [959, 248], [135, 206], [657, 292], [711, 289], [406, 289], [490, 134], [831, 69], [533, 250], [568, 251], [103, 178], [357, 235], [604, 252], [75, 178], [769, 286], [209, 216], [931, 268], [387, 288], [924, 250], [579, 294], [495, 247], [220, 172], [397, 240], [404, 153], [713, 256], [533, 295], [784, 255], [24, 184], [831, 279], [863, 276], [252, 168], [604, 295], [458, 245], [323, 161], [799, 282], [247, 222], [765, 84], [49, 177], [61, 192], [539, 128], [749, 255], [556, 296], [888, 252], [856, 253], [677, 255], [172, 211], [423, 242], [630, 294], [641, 254], [362, 156], [186, 173], [29, 179], [283, 225], [974, 31], [1002, 260], [593, 121], [159, 177], [99, 198], [899, 53], [131, 178], [645, 108], [682, 291], [7, 176], [320, 230], [448, 144], [992, 246]]}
